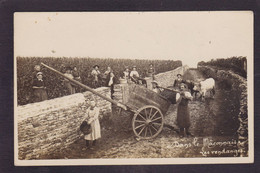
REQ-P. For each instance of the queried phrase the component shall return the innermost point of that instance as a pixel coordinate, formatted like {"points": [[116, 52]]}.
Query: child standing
{"points": [[92, 119]]}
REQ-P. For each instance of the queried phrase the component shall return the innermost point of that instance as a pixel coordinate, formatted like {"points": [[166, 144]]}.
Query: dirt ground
{"points": [[214, 124]]}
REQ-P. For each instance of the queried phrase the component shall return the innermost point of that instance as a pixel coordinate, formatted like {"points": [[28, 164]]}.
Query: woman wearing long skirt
{"points": [[39, 88], [92, 119], [183, 113]]}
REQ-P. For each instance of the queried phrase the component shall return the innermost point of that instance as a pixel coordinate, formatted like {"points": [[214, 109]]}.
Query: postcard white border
{"points": [[149, 161]]}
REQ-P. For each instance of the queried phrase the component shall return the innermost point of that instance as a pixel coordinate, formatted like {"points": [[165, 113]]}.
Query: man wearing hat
{"points": [[95, 74], [178, 81], [39, 88], [155, 87]]}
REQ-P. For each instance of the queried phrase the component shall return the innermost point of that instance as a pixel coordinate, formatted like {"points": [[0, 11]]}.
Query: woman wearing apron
{"points": [[92, 119], [183, 113]]}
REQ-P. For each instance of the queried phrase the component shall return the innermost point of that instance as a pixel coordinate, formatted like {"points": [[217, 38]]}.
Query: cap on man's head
{"points": [[179, 75]]}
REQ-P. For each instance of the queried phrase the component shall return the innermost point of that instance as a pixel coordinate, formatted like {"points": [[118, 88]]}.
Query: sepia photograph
{"points": [[131, 88]]}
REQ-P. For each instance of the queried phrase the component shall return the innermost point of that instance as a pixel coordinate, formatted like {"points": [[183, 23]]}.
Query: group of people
{"points": [[98, 79], [39, 83], [91, 120], [72, 74], [106, 79], [109, 79], [183, 96], [134, 77]]}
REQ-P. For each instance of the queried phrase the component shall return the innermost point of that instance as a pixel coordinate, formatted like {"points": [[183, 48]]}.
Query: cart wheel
{"points": [[147, 122]]}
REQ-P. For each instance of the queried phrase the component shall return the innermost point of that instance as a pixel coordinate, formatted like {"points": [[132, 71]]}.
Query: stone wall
{"points": [[52, 125], [166, 79], [239, 85]]}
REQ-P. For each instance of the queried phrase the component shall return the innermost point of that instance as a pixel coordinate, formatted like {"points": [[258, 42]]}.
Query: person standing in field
{"points": [[92, 118], [151, 71], [95, 74], [110, 82], [107, 72], [63, 68], [105, 76], [39, 88], [134, 75], [183, 113], [126, 74], [155, 87], [37, 68], [67, 83], [178, 81], [76, 76]]}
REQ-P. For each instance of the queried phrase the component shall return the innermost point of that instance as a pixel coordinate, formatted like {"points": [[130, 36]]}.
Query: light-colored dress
{"points": [[134, 74], [94, 122]]}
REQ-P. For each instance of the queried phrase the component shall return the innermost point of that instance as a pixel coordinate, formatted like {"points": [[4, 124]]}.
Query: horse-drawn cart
{"points": [[147, 106]]}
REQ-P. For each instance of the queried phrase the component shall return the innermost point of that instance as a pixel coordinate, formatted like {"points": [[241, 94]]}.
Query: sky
{"points": [[187, 36]]}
